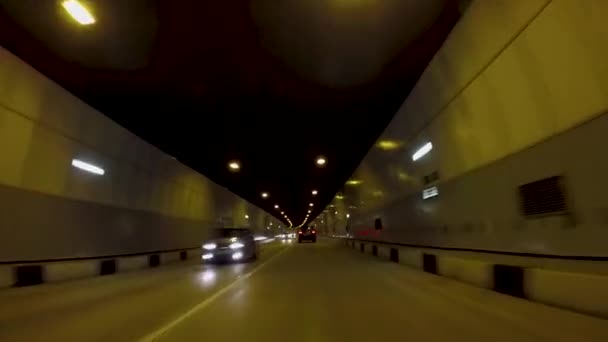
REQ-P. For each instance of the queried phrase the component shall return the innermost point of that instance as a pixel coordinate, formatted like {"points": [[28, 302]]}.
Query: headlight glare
{"points": [[209, 246], [236, 245]]}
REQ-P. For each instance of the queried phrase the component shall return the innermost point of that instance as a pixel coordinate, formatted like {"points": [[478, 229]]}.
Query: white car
{"points": [[230, 244]]}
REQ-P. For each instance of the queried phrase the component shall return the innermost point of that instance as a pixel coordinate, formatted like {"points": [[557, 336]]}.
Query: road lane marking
{"points": [[163, 330]]}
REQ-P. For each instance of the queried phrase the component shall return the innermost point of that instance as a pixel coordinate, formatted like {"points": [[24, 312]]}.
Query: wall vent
{"points": [[543, 197]]}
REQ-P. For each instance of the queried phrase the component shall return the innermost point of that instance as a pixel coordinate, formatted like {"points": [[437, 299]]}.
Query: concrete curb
{"points": [[34, 273], [581, 292]]}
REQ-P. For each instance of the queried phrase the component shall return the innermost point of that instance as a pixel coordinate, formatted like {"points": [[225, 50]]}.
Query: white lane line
{"points": [[163, 330]]}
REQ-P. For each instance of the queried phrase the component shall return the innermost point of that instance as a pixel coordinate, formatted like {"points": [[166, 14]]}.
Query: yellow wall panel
{"points": [[48, 162], [15, 138]]}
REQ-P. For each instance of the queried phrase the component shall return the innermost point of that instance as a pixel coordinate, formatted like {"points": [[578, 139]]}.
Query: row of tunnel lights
{"points": [[320, 161]]}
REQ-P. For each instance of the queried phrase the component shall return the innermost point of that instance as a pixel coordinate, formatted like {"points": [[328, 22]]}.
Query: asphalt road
{"points": [[309, 292]]}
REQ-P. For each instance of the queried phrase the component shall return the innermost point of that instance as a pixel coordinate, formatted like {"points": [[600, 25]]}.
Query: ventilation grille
{"points": [[545, 196]]}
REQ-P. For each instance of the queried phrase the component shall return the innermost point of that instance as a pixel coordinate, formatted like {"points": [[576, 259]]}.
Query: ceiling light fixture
{"points": [[234, 166], [80, 13], [265, 195], [314, 192], [311, 204], [421, 152], [321, 161], [88, 167], [388, 145]]}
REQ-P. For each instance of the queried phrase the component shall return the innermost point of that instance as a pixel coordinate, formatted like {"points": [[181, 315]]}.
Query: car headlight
{"points": [[236, 245], [209, 246]]}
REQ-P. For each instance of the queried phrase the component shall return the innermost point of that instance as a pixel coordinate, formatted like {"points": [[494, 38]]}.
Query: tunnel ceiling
{"points": [[270, 83]]}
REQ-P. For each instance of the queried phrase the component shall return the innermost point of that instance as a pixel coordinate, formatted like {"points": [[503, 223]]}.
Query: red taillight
{"points": [[314, 232]]}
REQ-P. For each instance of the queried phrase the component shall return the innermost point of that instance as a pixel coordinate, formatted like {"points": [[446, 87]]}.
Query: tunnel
{"points": [[303, 170]]}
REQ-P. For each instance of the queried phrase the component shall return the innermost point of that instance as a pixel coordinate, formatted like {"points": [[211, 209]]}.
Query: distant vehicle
{"points": [[307, 234], [285, 235], [230, 244]]}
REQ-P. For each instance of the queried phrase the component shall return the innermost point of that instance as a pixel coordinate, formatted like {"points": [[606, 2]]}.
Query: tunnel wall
{"points": [[582, 285], [516, 94], [145, 201]]}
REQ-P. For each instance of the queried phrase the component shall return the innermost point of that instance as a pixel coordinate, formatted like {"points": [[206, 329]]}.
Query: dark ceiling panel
{"points": [[272, 83]]}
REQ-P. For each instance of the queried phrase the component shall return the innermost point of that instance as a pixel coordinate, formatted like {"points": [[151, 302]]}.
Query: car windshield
{"points": [[230, 232]]}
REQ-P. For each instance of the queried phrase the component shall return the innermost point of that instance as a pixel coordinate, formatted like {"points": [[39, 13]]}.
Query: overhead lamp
{"points": [[311, 204], [264, 195], [88, 167], [354, 182], [339, 197], [247, 217], [234, 166], [79, 12], [321, 161], [314, 192], [388, 145], [309, 211], [276, 206], [422, 151], [282, 213]]}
